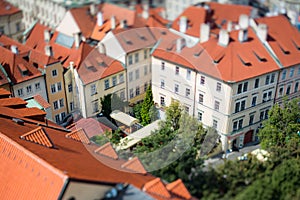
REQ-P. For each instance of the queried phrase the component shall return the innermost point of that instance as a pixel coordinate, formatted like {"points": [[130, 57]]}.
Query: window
{"points": [[145, 87], [114, 81], [57, 118], [122, 95], [200, 114], [202, 80], [254, 101], [240, 106], [137, 90], [267, 114], [201, 97], [251, 119], [55, 105], [188, 74], [283, 74], [18, 26], [71, 106], [121, 78], [299, 70], [53, 88], [70, 88], [20, 92], [187, 92], [219, 87], [272, 78], [288, 90], [240, 87], [280, 91], [162, 66], [162, 101], [61, 103], [37, 86], [177, 70], [1, 29], [217, 105], [137, 74], [267, 96], [130, 60], [130, 76], [267, 80], [237, 125], [145, 70], [162, 83], [63, 115], [186, 109], [296, 87], [93, 89], [245, 88], [136, 57], [292, 72], [215, 124], [59, 86], [54, 72], [131, 95], [145, 54], [256, 84], [28, 89], [176, 88], [106, 84], [95, 106]]}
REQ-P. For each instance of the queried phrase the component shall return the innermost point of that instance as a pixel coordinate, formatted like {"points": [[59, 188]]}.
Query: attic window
{"points": [[127, 41], [260, 57], [283, 49], [23, 69], [38, 136], [79, 135], [142, 37], [170, 47], [219, 57], [107, 150], [244, 61], [297, 45], [197, 54]]}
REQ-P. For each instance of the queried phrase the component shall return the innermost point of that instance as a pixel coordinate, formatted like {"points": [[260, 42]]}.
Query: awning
{"points": [[123, 118]]}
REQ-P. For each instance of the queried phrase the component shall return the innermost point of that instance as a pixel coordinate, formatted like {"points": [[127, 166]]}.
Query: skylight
{"points": [[64, 40]]}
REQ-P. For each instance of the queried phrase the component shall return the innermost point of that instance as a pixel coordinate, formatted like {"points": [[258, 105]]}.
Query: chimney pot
{"points": [[204, 32], [244, 21], [223, 38], [48, 50], [262, 32], [183, 24], [243, 35]]}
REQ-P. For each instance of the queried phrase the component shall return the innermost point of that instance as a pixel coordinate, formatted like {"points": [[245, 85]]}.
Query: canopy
{"points": [[123, 118]]}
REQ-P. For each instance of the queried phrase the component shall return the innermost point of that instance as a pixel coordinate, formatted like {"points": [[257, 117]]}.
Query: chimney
{"points": [[145, 13], [99, 19], [204, 32], [93, 9], [180, 43], [72, 66], [229, 26], [101, 48], [48, 50], [47, 35], [223, 38], [243, 21], [77, 39], [14, 49], [112, 22], [123, 23], [243, 35], [183, 24], [262, 32]]}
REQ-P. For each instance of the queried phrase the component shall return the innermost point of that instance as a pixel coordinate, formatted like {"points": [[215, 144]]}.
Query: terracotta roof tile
{"points": [[135, 165], [107, 150], [285, 48], [79, 135], [7, 8], [157, 189], [38, 98], [31, 112], [12, 102], [178, 188], [38, 136], [4, 93]]}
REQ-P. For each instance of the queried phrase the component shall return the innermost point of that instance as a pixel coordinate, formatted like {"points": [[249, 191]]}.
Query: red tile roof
{"points": [[38, 136], [12, 102], [8, 42], [157, 189], [107, 150], [97, 66], [224, 63], [135, 165], [91, 126], [287, 49], [7, 8], [3, 78], [79, 135], [4, 93], [40, 100], [216, 15], [178, 188]]}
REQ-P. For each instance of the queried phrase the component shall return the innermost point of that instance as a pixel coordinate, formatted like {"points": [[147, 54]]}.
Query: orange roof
{"points": [[97, 66], [217, 15], [8, 42], [157, 189], [224, 63], [38, 136], [4, 92], [135, 165], [178, 188], [3, 78], [79, 135], [7, 8], [40, 100], [107, 150], [12, 102], [287, 49]]}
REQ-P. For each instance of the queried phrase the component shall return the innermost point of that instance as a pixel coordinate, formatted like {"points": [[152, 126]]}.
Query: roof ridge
{"points": [[107, 150], [38, 136], [79, 135], [135, 165]]}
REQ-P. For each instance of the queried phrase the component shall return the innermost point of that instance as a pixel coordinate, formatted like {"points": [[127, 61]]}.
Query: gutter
{"points": [[63, 191]]}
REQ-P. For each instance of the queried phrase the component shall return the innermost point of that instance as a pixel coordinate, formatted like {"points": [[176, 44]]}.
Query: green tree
{"points": [[106, 105], [146, 106], [137, 111], [108, 136]]}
